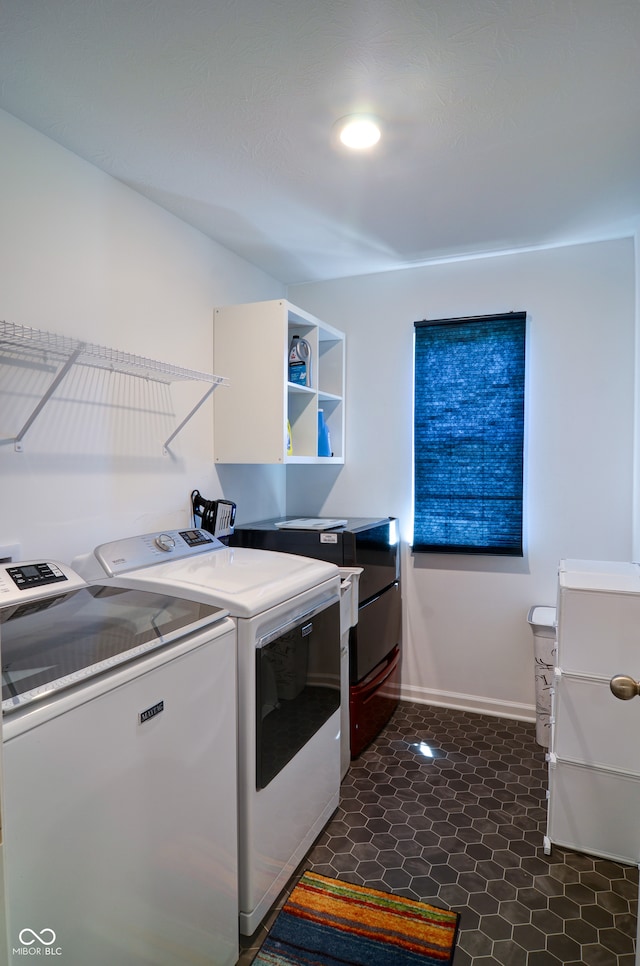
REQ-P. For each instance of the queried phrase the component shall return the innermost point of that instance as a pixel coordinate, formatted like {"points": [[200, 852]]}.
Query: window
{"points": [[468, 434]]}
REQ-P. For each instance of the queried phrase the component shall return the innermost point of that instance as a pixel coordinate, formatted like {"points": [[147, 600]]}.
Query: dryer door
{"points": [[297, 686]]}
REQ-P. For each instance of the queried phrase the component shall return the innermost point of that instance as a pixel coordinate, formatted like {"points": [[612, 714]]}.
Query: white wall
{"points": [[85, 256], [467, 642], [636, 477]]}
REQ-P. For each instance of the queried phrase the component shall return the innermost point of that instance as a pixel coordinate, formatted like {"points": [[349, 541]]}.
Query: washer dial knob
{"points": [[164, 541]]}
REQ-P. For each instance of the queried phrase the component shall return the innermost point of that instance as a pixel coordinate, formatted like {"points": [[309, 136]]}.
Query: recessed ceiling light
{"points": [[358, 131]]}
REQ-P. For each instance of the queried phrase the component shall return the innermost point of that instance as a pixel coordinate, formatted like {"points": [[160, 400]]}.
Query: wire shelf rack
{"points": [[21, 342]]}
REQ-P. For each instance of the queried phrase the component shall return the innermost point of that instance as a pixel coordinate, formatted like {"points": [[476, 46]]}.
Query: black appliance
{"points": [[375, 642]]}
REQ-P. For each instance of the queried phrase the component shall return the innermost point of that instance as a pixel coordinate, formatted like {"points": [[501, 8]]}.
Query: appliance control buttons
{"points": [[195, 538], [164, 541], [26, 576]]}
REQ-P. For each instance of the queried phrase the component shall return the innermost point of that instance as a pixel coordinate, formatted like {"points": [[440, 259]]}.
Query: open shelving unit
{"points": [[251, 343], [22, 345]]}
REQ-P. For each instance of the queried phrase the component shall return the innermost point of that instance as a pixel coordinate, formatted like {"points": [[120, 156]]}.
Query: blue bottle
{"points": [[324, 439]]}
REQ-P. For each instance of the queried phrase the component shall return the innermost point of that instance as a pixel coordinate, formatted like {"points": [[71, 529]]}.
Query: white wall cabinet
{"points": [[251, 343]]}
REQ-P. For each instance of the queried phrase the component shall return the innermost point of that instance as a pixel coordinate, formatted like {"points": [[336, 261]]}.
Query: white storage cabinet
{"points": [[594, 760], [251, 341]]}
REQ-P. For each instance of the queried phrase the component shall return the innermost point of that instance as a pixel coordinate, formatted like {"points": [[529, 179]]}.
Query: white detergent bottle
{"points": [[300, 361]]}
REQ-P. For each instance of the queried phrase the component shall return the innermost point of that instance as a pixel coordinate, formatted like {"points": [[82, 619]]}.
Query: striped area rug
{"points": [[328, 922]]}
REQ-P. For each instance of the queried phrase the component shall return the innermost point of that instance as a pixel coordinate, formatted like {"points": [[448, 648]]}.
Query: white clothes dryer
{"points": [[287, 611]]}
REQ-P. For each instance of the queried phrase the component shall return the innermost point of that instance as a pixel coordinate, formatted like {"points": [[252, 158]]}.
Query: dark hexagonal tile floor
{"points": [[449, 808]]}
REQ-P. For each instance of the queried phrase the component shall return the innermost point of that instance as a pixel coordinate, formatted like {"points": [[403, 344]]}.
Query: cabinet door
{"points": [[594, 811], [599, 633], [593, 727], [250, 420]]}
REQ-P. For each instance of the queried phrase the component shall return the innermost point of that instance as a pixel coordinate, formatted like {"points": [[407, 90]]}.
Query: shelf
{"points": [[20, 344], [313, 460], [303, 390]]}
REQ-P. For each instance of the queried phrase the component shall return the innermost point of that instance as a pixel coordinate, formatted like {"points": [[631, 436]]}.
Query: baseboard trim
{"points": [[469, 702]]}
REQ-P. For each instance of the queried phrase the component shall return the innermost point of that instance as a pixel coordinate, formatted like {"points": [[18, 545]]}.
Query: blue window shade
{"points": [[469, 434]]}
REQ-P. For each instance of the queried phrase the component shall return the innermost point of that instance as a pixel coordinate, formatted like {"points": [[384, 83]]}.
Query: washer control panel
{"points": [[34, 579], [133, 553], [35, 575]]}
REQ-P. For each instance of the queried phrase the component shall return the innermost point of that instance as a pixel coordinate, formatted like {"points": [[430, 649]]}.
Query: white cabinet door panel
{"points": [[595, 812], [591, 726]]}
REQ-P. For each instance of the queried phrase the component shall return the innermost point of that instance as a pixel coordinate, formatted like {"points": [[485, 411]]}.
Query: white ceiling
{"points": [[508, 123]]}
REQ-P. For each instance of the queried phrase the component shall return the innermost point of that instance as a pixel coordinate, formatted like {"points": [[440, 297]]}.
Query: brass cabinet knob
{"points": [[624, 686]]}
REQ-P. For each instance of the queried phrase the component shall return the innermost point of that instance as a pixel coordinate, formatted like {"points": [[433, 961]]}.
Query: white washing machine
{"points": [[119, 745], [287, 611]]}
